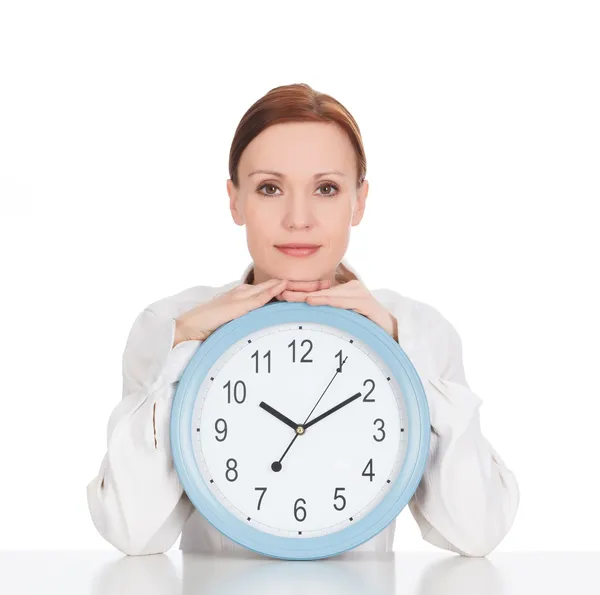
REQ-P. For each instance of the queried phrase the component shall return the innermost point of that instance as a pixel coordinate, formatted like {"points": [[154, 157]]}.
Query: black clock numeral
{"points": [[223, 431], [366, 397], [379, 430], [238, 399], [342, 360], [297, 508], [260, 497], [370, 474], [336, 496], [303, 360], [231, 468], [266, 355]]}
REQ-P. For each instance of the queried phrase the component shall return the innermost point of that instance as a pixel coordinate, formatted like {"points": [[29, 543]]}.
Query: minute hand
{"points": [[332, 410]]}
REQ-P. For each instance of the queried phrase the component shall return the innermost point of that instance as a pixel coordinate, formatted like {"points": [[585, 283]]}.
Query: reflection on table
{"points": [[108, 572]]}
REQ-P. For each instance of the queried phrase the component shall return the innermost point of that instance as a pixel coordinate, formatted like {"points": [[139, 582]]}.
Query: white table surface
{"points": [[108, 572]]}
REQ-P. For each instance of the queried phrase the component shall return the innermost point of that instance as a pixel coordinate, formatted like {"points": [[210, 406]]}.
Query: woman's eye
{"points": [[266, 193], [329, 186]]}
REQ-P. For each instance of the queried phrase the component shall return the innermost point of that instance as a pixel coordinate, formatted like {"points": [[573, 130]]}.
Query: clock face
{"points": [[299, 430]]}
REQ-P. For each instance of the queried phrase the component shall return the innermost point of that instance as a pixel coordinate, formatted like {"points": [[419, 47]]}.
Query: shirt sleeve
{"points": [[136, 501], [467, 498]]}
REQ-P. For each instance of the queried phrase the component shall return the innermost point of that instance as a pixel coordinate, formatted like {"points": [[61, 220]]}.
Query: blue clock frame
{"points": [[402, 489]]}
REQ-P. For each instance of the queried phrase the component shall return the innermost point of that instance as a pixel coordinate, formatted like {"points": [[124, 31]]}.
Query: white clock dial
{"points": [[335, 471]]}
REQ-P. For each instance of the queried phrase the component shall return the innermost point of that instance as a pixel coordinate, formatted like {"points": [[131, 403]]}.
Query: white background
{"points": [[481, 126]]}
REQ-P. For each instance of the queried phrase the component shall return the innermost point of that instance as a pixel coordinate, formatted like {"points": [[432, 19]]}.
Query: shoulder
{"points": [[422, 327], [414, 314]]}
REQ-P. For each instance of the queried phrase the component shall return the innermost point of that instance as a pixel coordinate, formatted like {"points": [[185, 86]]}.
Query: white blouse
{"points": [[467, 498]]}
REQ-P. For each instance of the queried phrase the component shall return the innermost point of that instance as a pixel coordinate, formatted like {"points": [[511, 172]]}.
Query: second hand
{"points": [[276, 465]]}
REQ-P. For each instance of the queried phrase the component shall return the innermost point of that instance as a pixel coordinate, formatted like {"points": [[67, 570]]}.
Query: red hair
{"points": [[294, 103]]}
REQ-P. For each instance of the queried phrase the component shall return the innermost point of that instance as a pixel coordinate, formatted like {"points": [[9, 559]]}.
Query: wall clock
{"points": [[300, 431]]}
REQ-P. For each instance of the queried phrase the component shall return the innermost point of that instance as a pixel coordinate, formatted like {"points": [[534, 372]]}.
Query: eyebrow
{"points": [[280, 175]]}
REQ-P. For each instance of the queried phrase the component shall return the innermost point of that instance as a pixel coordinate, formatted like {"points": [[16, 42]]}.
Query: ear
{"points": [[234, 203], [361, 201]]}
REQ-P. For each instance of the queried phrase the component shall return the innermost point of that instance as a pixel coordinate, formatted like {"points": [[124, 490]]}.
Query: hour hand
{"points": [[332, 410], [280, 416]]}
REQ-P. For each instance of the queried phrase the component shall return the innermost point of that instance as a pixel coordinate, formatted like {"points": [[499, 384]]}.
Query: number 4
{"points": [[370, 474]]}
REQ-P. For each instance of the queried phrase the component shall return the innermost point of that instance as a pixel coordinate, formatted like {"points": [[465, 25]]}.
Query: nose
{"points": [[298, 212]]}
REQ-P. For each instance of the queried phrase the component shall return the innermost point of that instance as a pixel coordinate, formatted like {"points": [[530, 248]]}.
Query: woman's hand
{"points": [[199, 322], [352, 295]]}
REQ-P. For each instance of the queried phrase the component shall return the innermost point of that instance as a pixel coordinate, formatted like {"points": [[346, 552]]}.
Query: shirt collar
{"points": [[345, 272]]}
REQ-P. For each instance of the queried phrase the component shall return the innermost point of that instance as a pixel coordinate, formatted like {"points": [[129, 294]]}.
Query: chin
{"points": [[294, 268], [303, 273]]}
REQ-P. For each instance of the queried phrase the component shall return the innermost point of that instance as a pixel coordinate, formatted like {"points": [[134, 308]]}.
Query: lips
{"points": [[298, 249]]}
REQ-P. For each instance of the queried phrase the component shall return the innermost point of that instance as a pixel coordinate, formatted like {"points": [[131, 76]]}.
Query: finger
{"points": [[292, 296], [340, 301], [338, 290], [274, 288], [296, 290], [308, 285], [265, 286], [299, 296], [344, 289], [260, 296]]}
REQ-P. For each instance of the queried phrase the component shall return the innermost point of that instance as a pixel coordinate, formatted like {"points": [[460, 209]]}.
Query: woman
{"points": [[297, 176]]}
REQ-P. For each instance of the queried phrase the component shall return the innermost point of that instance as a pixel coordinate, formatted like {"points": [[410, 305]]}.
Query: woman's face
{"points": [[306, 193]]}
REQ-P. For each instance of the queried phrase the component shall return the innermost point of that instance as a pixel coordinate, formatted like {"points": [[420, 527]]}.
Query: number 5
{"points": [[336, 496]]}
